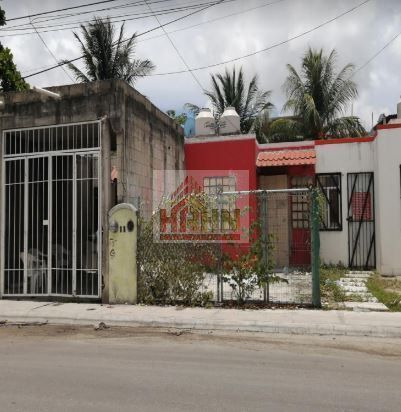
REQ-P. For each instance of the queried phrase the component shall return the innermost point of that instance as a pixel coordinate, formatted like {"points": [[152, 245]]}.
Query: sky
{"points": [[238, 27]]}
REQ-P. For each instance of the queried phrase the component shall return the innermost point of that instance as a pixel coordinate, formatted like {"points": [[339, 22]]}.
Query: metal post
{"points": [[220, 286], [265, 246], [315, 249]]}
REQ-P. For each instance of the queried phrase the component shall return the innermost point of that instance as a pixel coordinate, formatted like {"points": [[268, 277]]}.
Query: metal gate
{"points": [[51, 211], [361, 221]]}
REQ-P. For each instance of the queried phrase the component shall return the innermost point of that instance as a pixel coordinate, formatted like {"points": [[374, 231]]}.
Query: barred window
{"points": [[52, 138], [213, 187], [330, 209], [219, 184]]}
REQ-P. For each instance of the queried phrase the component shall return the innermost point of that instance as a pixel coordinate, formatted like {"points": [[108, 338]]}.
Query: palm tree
{"points": [[106, 57], [230, 90], [318, 98], [179, 118]]}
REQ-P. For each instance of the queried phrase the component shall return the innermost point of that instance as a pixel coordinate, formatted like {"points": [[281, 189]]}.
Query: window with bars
{"points": [[52, 138], [330, 210], [300, 205], [215, 186]]}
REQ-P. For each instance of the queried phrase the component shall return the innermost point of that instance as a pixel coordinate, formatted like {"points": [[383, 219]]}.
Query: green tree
{"points": [[230, 89], [180, 118], [2, 17], [318, 98], [10, 77], [108, 57]]}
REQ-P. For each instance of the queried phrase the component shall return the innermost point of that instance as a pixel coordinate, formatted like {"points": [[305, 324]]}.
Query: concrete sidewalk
{"points": [[301, 321]]}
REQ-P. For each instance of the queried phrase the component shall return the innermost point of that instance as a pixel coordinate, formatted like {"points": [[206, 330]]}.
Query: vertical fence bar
{"points": [[265, 255], [49, 223], [74, 224], [315, 249], [26, 225]]}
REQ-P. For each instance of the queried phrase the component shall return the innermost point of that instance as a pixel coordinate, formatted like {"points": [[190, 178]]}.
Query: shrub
{"points": [[245, 270], [172, 272]]}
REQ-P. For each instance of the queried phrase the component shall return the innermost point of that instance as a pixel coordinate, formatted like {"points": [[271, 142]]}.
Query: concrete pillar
{"points": [[122, 254]]}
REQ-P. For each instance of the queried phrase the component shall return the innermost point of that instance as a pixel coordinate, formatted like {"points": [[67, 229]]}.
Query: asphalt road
{"points": [[78, 369]]}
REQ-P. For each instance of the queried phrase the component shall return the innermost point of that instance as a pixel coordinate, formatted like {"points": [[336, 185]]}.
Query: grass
{"points": [[386, 290], [329, 290]]}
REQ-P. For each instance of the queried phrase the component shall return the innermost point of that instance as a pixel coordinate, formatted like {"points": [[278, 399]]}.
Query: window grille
{"points": [[52, 139], [215, 186], [330, 209]]}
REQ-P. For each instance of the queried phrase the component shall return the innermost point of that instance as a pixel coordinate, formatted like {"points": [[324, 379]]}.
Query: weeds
{"points": [[330, 291], [387, 291]]}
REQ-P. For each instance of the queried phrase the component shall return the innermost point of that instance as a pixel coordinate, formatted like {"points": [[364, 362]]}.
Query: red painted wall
{"points": [[223, 155], [205, 159]]}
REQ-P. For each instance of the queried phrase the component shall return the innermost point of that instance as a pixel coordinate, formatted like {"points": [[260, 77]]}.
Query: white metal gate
{"points": [[51, 211]]}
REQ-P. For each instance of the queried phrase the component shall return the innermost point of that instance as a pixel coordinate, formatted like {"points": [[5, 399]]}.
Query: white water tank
{"points": [[229, 122], [205, 123]]}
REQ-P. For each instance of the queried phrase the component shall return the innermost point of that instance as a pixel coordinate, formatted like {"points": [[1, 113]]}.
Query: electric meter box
{"points": [[122, 250]]}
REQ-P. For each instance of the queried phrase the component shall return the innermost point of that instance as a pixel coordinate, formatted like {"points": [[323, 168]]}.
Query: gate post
{"points": [[315, 255], [123, 229]]}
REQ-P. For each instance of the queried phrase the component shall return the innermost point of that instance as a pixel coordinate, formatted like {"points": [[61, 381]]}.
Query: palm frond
{"points": [[105, 57], [284, 130], [318, 95], [349, 126], [79, 75]]}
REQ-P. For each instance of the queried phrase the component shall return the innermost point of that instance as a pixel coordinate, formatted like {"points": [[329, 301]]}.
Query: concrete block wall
{"points": [[149, 141], [136, 138]]}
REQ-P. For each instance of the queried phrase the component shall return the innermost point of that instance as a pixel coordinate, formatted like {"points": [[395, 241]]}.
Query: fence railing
{"points": [[263, 247]]}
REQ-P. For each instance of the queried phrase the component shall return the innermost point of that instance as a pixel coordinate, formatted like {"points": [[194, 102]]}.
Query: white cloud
{"points": [[356, 36]]}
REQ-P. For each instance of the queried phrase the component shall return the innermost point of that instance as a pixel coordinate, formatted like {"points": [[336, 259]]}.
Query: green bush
{"points": [[172, 272], [245, 270]]}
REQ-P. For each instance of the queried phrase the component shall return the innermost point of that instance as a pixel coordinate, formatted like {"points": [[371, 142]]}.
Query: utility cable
{"points": [[52, 54], [80, 13], [122, 20], [29, 16], [187, 27], [375, 55], [267, 48], [140, 34], [140, 15], [176, 49]]}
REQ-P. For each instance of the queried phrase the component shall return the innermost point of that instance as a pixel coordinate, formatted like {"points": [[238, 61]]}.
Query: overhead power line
{"points": [[80, 13], [138, 35], [51, 53], [176, 49], [124, 17], [213, 20], [187, 27], [29, 16], [266, 48], [375, 55]]}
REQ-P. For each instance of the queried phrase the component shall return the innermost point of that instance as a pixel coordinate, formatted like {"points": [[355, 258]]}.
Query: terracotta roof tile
{"points": [[286, 158]]}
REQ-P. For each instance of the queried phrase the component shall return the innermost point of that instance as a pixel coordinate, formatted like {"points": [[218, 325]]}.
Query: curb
{"points": [[289, 329]]}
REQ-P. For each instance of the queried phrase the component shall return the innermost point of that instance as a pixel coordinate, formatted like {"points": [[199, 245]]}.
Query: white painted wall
{"points": [[388, 201], [342, 158], [382, 156]]}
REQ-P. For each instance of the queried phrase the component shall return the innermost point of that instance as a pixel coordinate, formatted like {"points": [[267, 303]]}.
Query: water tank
{"points": [[229, 121], [399, 110], [205, 123]]}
